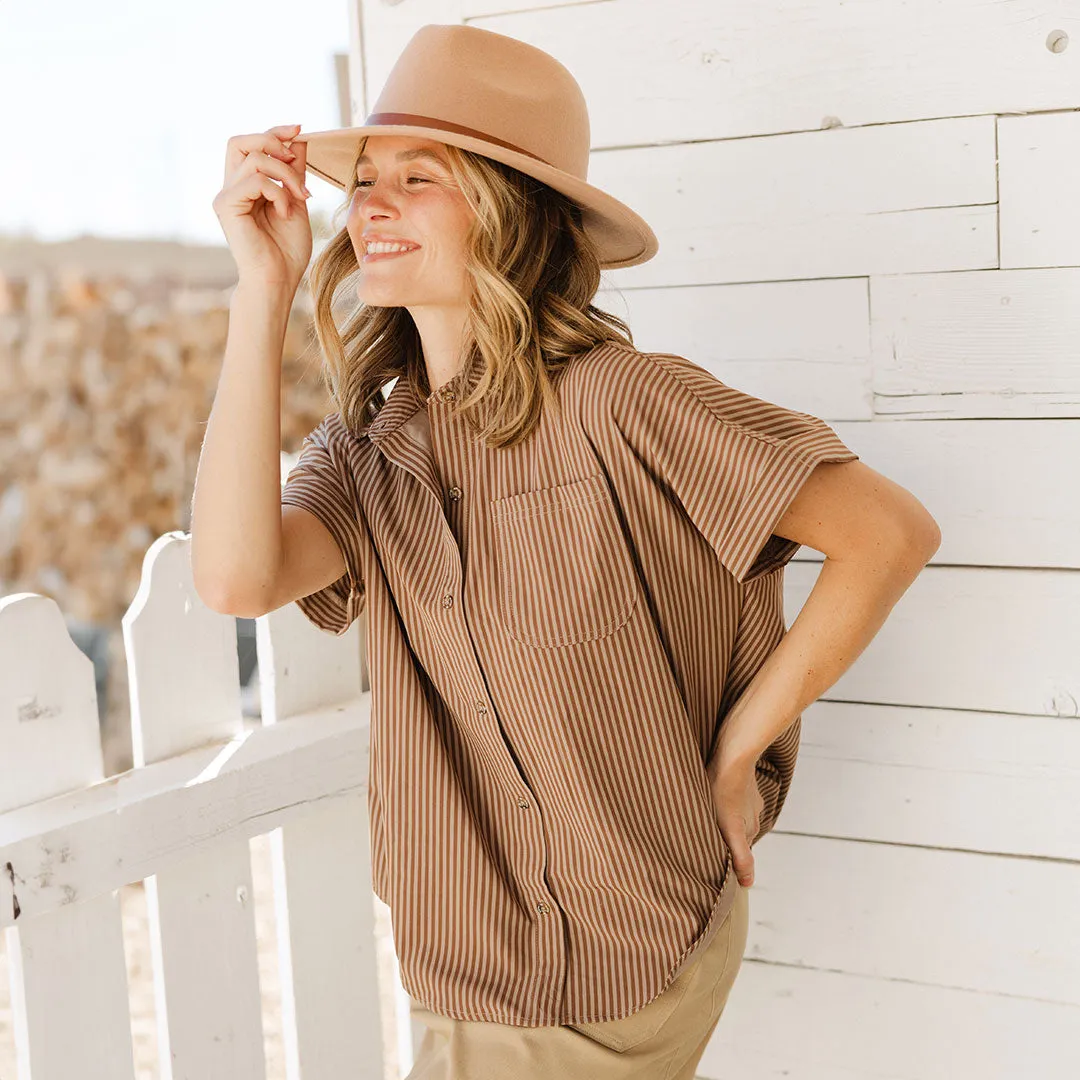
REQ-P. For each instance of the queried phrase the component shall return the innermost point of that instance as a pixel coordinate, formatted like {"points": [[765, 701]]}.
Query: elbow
{"points": [[214, 597], [925, 538], [906, 544], [217, 598], [914, 543]]}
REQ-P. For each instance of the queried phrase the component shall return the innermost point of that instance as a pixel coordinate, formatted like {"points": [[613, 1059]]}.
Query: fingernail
{"points": [[306, 192]]}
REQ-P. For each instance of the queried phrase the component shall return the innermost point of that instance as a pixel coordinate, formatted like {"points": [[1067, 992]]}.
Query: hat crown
{"points": [[473, 80], [503, 99]]}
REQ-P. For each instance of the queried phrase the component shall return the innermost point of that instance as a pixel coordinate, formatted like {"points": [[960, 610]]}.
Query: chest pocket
{"points": [[564, 573]]}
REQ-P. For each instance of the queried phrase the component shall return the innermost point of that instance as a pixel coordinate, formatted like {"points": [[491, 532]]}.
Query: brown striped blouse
{"points": [[555, 633]]}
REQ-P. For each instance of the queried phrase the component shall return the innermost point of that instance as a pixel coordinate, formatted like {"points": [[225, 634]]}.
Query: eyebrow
{"points": [[406, 155]]}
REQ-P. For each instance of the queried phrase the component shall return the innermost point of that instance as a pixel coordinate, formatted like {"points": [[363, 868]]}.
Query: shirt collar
{"points": [[403, 402]]}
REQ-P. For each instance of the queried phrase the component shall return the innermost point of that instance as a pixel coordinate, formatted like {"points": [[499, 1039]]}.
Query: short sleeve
{"points": [[735, 462], [321, 483]]}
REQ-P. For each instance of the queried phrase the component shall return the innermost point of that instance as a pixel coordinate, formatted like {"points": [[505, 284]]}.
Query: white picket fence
{"points": [[202, 786]]}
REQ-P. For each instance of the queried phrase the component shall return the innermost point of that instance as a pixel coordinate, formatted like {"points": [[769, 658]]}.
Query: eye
{"points": [[364, 183]]}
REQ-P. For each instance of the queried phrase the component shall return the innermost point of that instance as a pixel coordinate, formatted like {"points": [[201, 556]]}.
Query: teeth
{"points": [[376, 248]]}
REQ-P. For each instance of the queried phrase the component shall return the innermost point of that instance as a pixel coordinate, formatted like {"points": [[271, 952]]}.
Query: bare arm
{"points": [[236, 523], [240, 537], [877, 537]]}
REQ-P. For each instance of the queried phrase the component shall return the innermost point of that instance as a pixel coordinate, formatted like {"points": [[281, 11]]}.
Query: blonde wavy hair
{"points": [[534, 273]]}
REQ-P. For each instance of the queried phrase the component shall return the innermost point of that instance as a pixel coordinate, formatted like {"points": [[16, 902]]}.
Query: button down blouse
{"points": [[556, 631]]}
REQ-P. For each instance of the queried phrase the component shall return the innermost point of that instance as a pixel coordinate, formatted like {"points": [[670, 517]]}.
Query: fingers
{"points": [[272, 142], [737, 837], [738, 805], [269, 165], [240, 196], [742, 859]]}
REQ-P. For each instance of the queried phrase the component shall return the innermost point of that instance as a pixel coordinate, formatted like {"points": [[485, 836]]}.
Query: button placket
{"points": [[542, 907], [455, 494]]}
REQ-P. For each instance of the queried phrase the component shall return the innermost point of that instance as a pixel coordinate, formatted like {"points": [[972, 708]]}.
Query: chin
{"points": [[376, 297]]}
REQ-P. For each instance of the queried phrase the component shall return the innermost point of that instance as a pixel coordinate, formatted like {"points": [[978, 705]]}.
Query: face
{"points": [[415, 199]]}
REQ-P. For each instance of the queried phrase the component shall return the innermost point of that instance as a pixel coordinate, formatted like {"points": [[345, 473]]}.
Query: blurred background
{"points": [[114, 288], [115, 279]]}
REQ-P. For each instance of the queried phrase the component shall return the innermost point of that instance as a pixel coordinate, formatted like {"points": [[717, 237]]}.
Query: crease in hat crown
{"points": [[502, 98]]}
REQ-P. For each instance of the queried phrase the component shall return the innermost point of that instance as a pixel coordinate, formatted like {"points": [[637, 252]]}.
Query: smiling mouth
{"points": [[373, 256]]}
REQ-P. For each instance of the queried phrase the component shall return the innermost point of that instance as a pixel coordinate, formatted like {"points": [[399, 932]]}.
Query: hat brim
{"points": [[623, 237]]}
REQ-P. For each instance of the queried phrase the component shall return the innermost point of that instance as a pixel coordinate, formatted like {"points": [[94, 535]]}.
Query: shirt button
{"points": [[523, 803], [455, 493], [481, 708], [446, 394], [542, 908], [447, 600]]}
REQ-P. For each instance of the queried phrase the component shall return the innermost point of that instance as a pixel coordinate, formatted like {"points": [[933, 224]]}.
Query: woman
{"points": [[585, 707]]}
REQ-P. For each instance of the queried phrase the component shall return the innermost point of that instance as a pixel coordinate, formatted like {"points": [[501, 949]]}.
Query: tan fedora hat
{"points": [[502, 98]]}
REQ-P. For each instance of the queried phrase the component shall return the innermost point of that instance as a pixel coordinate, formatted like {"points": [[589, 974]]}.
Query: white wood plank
{"points": [[837, 1026], [853, 947], [1004, 641], [939, 778], [69, 993], [700, 70], [1038, 178], [999, 344], [184, 673], [919, 914], [310, 669], [66, 964], [803, 344], [49, 700], [183, 667], [994, 486], [327, 946], [897, 198], [206, 979]]}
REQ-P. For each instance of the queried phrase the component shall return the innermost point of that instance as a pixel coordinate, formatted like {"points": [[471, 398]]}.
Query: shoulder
{"points": [[669, 397], [613, 372], [619, 384]]}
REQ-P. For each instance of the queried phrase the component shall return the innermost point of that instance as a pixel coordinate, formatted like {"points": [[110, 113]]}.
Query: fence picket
{"points": [[67, 968], [185, 691]]}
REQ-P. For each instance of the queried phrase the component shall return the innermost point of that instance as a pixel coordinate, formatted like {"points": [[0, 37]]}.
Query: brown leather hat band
{"points": [[415, 120]]}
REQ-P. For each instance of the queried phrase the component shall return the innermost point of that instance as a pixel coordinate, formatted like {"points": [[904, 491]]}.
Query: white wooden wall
{"points": [[871, 211]]}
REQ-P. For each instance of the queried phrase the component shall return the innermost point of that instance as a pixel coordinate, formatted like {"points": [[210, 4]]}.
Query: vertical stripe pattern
{"points": [[556, 631]]}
